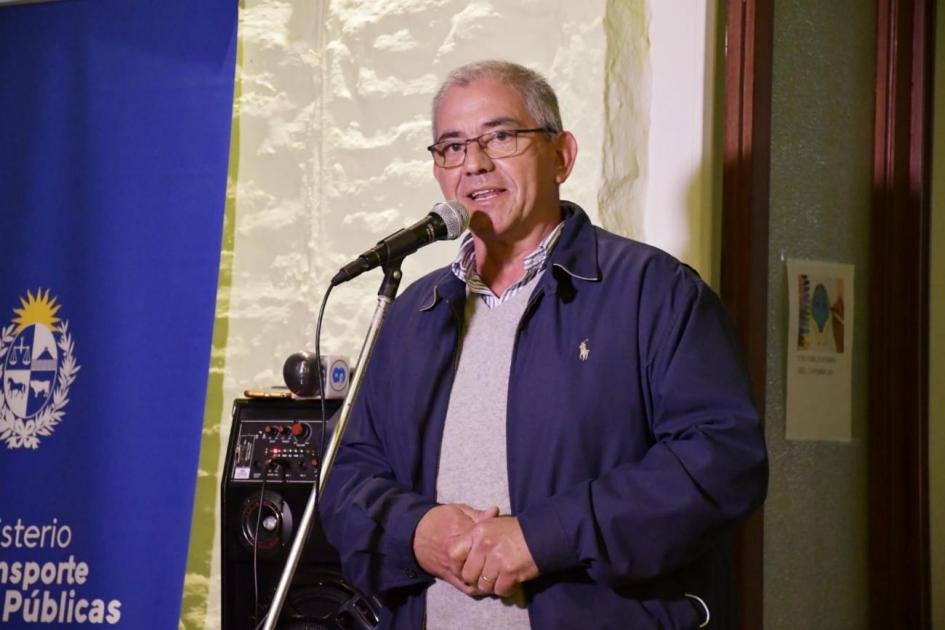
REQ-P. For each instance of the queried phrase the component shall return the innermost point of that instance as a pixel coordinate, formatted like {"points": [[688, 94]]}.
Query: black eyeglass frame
{"points": [[478, 140]]}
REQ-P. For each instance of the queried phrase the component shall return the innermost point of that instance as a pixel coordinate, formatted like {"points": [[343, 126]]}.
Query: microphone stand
{"points": [[385, 296]]}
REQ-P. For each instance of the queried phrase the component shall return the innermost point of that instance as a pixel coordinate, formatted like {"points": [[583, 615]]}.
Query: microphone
{"points": [[446, 221]]}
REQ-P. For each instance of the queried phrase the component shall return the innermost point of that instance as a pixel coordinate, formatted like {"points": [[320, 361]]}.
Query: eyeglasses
{"points": [[496, 144]]}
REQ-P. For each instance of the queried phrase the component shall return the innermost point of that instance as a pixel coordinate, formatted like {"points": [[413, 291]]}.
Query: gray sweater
{"points": [[473, 467]]}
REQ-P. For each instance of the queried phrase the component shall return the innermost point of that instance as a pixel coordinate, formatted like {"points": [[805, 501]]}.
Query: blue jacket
{"points": [[628, 463]]}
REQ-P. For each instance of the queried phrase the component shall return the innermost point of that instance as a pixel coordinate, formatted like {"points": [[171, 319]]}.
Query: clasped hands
{"points": [[476, 551]]}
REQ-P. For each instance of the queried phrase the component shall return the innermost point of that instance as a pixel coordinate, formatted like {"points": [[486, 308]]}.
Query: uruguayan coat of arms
{"points": [[37, 367]]}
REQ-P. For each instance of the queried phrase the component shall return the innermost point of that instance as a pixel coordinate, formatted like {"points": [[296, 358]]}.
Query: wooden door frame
{"points": [[744, 260], [899, 572], [900, 583]]}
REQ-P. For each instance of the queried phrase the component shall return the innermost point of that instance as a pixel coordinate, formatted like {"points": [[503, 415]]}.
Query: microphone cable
{"points": [[322, 382], [259, 511], [322, 375], [262, 493]]}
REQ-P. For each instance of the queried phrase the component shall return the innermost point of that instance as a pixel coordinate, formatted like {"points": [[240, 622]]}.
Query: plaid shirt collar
{"points": [[464, 267]]}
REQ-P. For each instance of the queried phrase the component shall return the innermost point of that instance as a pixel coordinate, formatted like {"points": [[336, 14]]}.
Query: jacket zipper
{"points": [[456, 350], [526, 315], [436, 468]]}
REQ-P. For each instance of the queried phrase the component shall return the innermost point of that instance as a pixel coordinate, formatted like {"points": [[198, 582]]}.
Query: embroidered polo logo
{"points": [[584, 351]]}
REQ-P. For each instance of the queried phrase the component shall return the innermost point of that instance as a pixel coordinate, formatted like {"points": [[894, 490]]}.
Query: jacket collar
{"points": [[446, 287], [575, 255], [576, 251]]}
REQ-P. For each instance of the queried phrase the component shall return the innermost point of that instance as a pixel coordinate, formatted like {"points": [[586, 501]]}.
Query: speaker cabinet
{"points": [[269, 473]]}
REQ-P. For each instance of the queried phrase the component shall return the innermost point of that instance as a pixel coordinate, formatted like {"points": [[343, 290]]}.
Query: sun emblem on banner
{"points": [[37, 367]]}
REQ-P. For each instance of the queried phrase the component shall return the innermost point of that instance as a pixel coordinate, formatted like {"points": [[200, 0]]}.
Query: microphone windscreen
{"points": [[454, 215]]}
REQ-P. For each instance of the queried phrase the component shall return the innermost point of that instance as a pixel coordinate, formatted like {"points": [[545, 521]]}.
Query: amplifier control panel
{"points": [[277, 448]]}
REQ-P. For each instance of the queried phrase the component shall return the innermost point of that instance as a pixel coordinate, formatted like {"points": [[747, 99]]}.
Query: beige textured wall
{"points": [[333, 118], [335, 115]]}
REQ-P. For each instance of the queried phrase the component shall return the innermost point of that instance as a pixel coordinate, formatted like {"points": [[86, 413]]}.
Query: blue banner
{"points": [[114, 135]]}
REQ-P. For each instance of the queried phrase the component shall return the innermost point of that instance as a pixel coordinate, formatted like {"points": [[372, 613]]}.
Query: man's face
{"points": [[510, 199]]}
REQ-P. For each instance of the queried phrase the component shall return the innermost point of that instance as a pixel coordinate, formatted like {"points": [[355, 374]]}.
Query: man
{"points": [[555, 431]]}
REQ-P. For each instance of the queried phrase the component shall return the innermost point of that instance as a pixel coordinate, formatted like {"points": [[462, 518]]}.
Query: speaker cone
{"points": [[322, 600], [270, 516]]}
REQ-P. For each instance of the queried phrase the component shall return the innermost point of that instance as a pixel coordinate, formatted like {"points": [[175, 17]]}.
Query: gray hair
{"points": [[540, 99]]}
